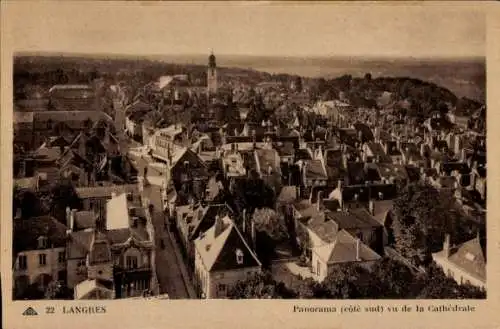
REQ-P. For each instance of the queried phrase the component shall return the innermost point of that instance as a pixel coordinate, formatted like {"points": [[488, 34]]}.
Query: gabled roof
{"points": [[365, 131], [343, 250], [79, 244], [122, 235], [267, 159], [470, 257], [100, 250], [381, 208], [354, 218], [218, 252], [315, 170], [27, 231], [388, 170], [84, 289], [204, 218]]}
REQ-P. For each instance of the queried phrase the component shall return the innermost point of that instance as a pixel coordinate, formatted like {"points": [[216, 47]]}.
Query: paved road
{"points": [[169, 269]]}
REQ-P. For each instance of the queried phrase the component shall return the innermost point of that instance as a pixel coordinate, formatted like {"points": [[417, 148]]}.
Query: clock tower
{"points": [[211, 75]]}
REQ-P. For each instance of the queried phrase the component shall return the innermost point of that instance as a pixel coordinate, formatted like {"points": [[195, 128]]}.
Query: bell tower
{"points": [[211, 75]]}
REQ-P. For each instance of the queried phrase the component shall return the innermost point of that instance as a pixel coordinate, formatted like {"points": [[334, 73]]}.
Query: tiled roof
{"points": [[303, 154], [218, 251], [204, 217], [105, 191], [71, 116], [381, 208], [324, 228], [268, 159], [100, 251], [288, 194], [343, 249], [378, 151], [118, 236], [355, 218], [388, 170], [315, 170], [27, 231], [47, 153], [84, 220], [85, 288], [356, 172], [365, 131], [79, 244], [287, 149], [470, 257]]}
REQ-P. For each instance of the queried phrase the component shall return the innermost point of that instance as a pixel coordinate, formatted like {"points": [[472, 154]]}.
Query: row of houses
{"points": [[96, 254]]}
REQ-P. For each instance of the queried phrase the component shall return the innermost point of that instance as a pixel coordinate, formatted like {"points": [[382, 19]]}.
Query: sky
{"points": [[244, 28]]}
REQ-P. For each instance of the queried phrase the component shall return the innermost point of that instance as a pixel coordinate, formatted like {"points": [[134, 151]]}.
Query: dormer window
{"points": [[470, 256], [239, 256], [42, 242]]}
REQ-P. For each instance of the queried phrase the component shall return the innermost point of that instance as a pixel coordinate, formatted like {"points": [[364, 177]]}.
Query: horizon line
{"points": [[298, 56]]}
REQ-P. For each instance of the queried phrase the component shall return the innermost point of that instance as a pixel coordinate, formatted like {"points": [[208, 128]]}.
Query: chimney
{"points": [[113, 195], [72, 220], [344, 160], [219, 226], [22, 168], [253, 235], [371, 207], [109, 168], [68, 217], [244, 220], [446, 245], [319, 202], [340, 184], [357, 249], [304, 173]]}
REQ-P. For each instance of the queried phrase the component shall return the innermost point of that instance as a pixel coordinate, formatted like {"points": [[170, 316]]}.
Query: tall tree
{"points": [[423, 215]]}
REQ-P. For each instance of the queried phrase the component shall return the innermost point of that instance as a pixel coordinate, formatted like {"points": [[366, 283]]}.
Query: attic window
{"points": [[207, 247], [239, 256], [42, 242], [470, 256]]}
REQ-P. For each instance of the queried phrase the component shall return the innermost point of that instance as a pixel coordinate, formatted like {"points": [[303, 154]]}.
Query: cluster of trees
{"points": [[388, 279], [54, 203], [423, 215], [424, 97]]}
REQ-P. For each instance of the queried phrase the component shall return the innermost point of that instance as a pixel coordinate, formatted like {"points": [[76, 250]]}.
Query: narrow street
{"points": [[169, 265]]}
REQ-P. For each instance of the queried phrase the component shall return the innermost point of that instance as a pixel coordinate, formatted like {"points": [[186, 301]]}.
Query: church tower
{"points": [[211, 75]]}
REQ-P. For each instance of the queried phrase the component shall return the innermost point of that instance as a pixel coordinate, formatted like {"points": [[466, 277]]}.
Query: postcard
{"points": [[249, 164]]}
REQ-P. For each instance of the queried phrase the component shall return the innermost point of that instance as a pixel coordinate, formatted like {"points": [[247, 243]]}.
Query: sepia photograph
{"points": [[272, 161]]}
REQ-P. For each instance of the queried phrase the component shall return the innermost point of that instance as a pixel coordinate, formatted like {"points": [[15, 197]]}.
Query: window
{"points": [[22, 262], [222, 289], [42, 242], [131, 262], [61, 257], [81, 263], [239, 256], [42, 259]]}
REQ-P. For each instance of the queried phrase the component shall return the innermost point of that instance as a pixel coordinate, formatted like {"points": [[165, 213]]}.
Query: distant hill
{"points": [[465, 77]]}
